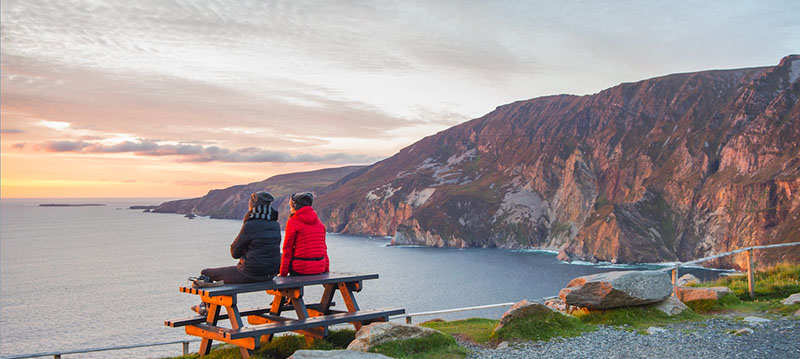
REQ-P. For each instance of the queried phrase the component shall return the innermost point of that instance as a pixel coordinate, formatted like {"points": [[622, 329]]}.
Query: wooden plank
{"points": [[279, 283], [244, 313], [292, 325], [210, 332], [320, 332]]}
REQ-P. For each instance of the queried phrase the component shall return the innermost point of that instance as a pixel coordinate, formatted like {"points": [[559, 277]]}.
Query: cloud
{"points": [[11, 131], [200, 153], [201, 183]]}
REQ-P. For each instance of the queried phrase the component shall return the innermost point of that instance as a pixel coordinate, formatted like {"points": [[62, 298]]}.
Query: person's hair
{"points": [[300, 200]]}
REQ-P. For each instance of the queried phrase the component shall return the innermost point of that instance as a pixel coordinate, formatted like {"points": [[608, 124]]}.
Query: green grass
{"points": [[283, 346], [437, 346], [776, 282], [707, 306], [542, 326], [635, 317], [478, 330]]}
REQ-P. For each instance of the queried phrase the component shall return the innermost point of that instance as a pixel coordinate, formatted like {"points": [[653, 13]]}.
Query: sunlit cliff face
{"points": [[172, 98]]}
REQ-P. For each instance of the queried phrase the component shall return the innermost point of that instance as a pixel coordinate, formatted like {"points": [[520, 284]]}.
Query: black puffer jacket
{"points": [[258, 246]]}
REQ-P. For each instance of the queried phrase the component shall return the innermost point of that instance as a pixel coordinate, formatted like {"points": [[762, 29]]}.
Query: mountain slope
{"points": [[675, 167], [232, 202]]}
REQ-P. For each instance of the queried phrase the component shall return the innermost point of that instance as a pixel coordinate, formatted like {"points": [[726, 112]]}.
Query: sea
{"points": [[74, 278]]}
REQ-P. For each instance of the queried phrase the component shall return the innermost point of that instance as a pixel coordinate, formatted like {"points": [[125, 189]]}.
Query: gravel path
{"points": [[776, 339]]}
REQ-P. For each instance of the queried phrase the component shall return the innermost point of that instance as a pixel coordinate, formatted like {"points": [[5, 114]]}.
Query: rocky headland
{"points": [[671, 168]]}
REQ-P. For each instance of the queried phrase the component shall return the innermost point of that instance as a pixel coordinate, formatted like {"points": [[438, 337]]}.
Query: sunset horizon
{"points": [[173, 99]]}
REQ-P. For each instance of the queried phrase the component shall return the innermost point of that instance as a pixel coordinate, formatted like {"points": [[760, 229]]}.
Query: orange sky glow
{"points": [[174, 98]]}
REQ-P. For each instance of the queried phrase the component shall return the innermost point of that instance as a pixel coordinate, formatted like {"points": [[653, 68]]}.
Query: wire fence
{"points": [[408, 317]]}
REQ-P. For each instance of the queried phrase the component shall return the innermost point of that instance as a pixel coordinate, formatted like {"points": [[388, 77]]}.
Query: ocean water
{"points": [[84, 277]]}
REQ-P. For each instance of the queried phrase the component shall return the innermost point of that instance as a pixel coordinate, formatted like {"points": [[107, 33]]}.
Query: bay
{"points": [[99, 276]]}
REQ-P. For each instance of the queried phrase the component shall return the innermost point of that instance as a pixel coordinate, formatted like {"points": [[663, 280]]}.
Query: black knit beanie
{"points": [[300, 200]]}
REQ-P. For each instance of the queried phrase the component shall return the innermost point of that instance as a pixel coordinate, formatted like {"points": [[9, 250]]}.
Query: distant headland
{"points": [[71, 205]]}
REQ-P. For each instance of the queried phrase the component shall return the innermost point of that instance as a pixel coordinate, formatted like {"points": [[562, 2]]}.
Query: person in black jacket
{"points": [[257, 247]]}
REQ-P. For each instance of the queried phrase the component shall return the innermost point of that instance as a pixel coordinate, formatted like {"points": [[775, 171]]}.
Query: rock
{"points": [[378, 333], [755, 320], [502, 345], [671, 306], [523, 309], [687, 279], [797, 313], [337, 354], [557, 304], [690, 294], [743, 331], [617, 289], [792, 299], [656, 330]]}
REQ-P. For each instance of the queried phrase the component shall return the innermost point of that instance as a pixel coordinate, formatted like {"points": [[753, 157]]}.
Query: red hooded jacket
{"points": [[304, 245]]}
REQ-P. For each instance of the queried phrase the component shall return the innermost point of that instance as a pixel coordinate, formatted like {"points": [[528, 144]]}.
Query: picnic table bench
{"points": [[287, 292]]}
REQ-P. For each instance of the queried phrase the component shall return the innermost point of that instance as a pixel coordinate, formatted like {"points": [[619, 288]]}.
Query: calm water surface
{"points": [[84, 277]]}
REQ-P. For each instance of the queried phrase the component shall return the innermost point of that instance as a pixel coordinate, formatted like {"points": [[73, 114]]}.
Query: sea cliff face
{"points": [[671, 168]]}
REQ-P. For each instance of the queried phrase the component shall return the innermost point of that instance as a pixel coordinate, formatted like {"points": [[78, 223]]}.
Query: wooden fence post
{"points": [[675, 282], [750, 278]]}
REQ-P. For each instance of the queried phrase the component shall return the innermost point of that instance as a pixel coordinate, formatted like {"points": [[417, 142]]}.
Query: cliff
{"points": [[231, 202], [671, 168]]}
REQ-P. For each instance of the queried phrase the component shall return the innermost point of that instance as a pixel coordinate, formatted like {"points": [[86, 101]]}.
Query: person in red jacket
{"points": [[304, 248]]}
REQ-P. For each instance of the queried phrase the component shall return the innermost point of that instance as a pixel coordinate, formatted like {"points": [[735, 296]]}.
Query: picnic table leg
{"points": [[327, 298], [349, 301], [302, 313], [236, 323], [211, 318], [275, 309]]}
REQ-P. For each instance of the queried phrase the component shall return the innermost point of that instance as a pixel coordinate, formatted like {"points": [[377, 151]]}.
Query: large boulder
{"points": [[334, 354], [792, 299], [617, 289], [383, 332], [691, 294], [671, 306], [524, 308]]}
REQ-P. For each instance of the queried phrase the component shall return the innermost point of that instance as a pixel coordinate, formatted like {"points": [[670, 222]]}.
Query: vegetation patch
{"points": [[437, 346], [283, 346], [709, 305], [477, 330], [635, 317], [542, 327], [776, 282]]}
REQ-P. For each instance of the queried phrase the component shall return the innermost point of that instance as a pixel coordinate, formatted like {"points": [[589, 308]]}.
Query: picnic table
{"points": [[312, 320]]}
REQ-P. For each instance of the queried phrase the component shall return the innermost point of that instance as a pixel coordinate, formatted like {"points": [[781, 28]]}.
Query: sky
{"points": [[173, 98]]}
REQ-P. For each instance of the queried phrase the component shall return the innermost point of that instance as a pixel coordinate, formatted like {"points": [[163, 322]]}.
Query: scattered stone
{"points": [[687, 279], [755, 320], [557, 304], [743, 331], [792, 299], [383, 332], [671, 306], [523, 309], [617, 289], [656, 330], [691, 294], [337, 354], [502, 345]]}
